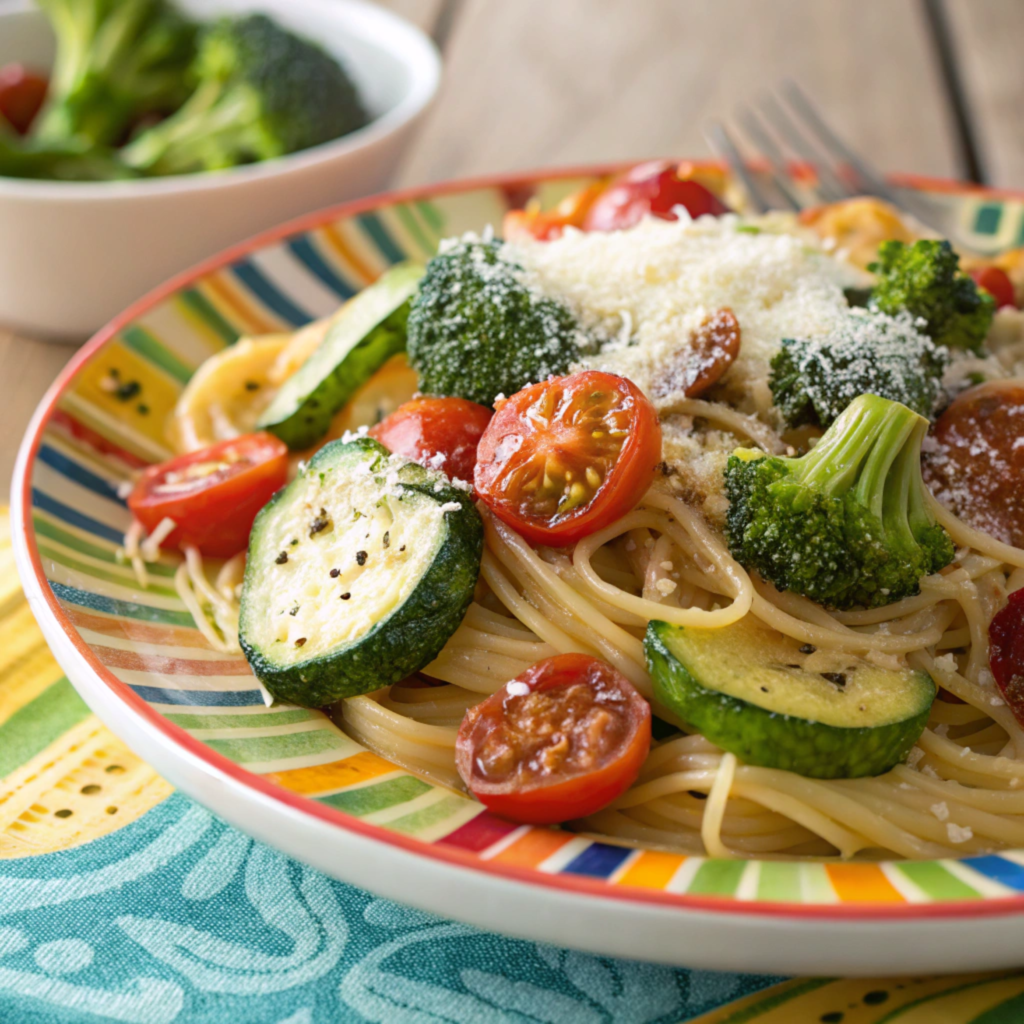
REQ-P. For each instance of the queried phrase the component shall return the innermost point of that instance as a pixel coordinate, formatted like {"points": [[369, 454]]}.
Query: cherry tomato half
{"points": [[212, 494], [654, 188], [974, 460], [565, 458], [21, 95], [438, 432], [997, 283], [1006, 653], [560, 742]]}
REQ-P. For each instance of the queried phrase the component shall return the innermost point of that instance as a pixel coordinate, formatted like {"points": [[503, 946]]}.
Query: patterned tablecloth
{"points": [[122, 900]]}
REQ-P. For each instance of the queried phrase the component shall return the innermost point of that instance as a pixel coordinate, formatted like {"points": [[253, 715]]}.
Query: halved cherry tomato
{"points": [[1006, 653], [21, 95], [654, 188], [533, 222], [997, 283], [565, 458], [440, 432], [560, 742], [974, 459], [212, 494]]}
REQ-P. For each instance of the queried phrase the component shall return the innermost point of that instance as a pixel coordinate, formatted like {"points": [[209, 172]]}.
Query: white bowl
{"points": [[73, 254]]}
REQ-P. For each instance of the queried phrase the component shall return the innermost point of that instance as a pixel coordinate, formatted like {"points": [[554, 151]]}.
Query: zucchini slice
{"points": [[366, 332], [357, 573], [774, 702]]}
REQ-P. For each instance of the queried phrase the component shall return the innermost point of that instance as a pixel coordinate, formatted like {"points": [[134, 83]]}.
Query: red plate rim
{"points": [[220, 765]]}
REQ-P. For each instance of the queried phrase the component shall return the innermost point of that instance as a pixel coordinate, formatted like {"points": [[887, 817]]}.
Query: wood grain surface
{"points": [[530, 83]]}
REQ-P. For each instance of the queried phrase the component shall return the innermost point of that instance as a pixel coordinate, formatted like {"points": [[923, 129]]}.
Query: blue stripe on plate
{"points": [[74, 471], [74, 517], [269, 294], [199, 698], [598, 860], [372, 225], [998, 869], [115, 606], [304, 251]]}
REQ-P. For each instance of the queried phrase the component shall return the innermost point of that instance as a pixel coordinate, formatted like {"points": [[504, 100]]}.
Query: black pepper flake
{"points": [[127, 390], [335, 573], [387, 538], [293, 541], [142, 409], [808, 649], [401, 549], [345, 596], [282, 558], [319, 524], [300, 641], [361, 557], [764, 689], [294, 611], [834, 677], [252, 385]]}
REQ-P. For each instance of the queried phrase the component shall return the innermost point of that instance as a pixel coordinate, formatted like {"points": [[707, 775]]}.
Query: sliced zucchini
{"points": [[357, 574], [367, 331], [774, 702]]}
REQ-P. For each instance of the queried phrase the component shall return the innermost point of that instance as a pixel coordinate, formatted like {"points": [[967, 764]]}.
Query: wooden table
{"points": [[932, 86]]}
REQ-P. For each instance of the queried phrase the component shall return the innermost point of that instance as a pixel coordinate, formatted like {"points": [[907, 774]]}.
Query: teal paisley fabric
{"points": [[180, 918]]}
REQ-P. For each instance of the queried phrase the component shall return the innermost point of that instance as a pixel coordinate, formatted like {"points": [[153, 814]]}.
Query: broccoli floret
{"points": [[116, 61], [73, 160], [868, 353], [476, 330], [847, 524], [924, 279], [262, 93]]}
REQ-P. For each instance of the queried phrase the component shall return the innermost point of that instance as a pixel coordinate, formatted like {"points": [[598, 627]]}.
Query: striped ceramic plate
{"points": [[292, 778]]}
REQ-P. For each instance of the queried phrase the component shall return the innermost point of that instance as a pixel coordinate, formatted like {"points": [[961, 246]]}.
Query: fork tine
{"points": [[830, 186], [762, 139], [872, 180], [722, 142]]}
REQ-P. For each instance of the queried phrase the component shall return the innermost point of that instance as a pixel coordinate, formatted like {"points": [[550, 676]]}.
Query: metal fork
{"points": [[789, 121]]}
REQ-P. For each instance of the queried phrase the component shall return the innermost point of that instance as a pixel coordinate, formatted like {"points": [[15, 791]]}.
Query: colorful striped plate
{"points": [[291, 778]]}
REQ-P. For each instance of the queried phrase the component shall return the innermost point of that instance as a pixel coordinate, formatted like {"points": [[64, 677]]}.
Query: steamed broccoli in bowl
{"points": [[847, 524]]}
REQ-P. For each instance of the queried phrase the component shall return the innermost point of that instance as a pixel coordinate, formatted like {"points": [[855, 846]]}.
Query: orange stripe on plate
{"points": [[535, 846], [229, 297], [651, 870], [132, 629], [862, 883], [113, 657], [326, 778], [348, 254]]}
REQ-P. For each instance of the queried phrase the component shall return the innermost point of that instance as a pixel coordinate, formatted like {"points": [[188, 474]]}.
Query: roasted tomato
{"points": [[560, 742], [21, 95], [654, 188], [974, 459], [212, 494], [563, 459], [438, 432], [713, 348], [997, 283], [1006, 653]]}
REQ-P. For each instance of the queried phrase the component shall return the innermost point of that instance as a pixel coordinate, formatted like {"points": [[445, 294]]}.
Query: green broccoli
{"points": [[262, 93], [73, 160], [476, 330], [117, 61], [847, 524], [868, 353], [925, 280]]}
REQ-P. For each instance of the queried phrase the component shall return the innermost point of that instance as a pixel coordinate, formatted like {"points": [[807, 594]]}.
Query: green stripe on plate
{"points": [[101, 574], [411, 225], [45, 528], [935, 881], [779, 880], [274, 748], [41, 721], [419, 820], [378, 797], [195, 302], [718, 877], [240, 721], [987, 217], [156, 352], [432, 215]]}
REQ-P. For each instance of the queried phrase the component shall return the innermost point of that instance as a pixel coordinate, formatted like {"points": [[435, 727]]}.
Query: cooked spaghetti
{"points": [[669, 560]]}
